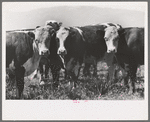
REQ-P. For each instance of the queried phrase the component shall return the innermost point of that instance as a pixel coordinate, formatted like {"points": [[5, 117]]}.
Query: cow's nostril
{"points": [[114, 50], [105, 38], [59, 52], [108, 51], [62, 52], [46, 52]]}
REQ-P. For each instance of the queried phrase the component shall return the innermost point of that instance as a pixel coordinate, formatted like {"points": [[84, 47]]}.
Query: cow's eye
{"points": [[63, 33]]}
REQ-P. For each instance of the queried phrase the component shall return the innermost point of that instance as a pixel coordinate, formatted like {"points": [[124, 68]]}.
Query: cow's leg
{"points": [[75, 72], [115, 72], [115, 75], [126, 75], [95, 70], [133, 76], [55, 73], [111, 71], [73, 68], [133, 68], [46, 70], [86, 69], [19, 71], [126, 79], [41, 71]]}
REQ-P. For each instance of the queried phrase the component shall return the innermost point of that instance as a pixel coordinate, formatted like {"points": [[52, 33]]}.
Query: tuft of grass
{"points": [[87, 88]]}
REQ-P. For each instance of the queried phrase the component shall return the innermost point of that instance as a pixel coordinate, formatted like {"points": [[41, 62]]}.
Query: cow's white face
{"points": [[61, 36], [111, 38], [43, 37]]}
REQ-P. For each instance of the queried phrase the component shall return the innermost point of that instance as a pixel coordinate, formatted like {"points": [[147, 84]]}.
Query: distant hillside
{"points": [[72, 16]]}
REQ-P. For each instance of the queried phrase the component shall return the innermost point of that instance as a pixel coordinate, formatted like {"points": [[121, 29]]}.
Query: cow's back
{"points": [[135, 42], [10, 51], [18, 47], [95, 45]]}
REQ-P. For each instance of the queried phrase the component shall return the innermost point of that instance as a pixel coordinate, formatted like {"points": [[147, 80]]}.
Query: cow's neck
{"points": [[123, 50], [32, 63]]}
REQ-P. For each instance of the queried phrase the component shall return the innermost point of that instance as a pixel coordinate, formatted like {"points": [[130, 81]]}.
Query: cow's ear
{"points": [[100, 32], [60, 24], [37, 26], [31, 34]]}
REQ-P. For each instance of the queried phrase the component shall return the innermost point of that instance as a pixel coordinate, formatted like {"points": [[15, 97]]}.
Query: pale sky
{"points": [[27, 6]]}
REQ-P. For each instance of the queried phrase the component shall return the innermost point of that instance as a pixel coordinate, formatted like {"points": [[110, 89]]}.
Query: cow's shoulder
{"points": [[92, 28], [89, 32], [19, 38]]}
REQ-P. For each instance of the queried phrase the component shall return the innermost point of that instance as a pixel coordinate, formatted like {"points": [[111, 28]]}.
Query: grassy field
{"points": [[88, 88]]}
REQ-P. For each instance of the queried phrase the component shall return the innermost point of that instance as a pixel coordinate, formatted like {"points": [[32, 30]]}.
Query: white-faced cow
{"points": [[54, 65], [76, 43], [128, 46], [25, 49]]}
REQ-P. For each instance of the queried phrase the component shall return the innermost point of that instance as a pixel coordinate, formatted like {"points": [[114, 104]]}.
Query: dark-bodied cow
{"points": [[46, 61], [75, 43], [56, 25], [52, 60], [26, 49], [19, 47], [128, 46]]}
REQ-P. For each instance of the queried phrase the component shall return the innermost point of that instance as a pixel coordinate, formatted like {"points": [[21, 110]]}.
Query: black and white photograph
{"points": [[75, 56]]}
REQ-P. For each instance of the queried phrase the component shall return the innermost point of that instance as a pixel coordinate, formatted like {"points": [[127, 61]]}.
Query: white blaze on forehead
{"points": [[111, 34], [41, 35], [62, 34], [80, 31]]}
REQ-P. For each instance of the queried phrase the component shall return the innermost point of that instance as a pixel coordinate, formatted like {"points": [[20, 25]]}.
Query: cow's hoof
{"points": [[42, 83]]}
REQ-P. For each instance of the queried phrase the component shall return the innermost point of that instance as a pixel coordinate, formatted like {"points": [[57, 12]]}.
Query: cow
{"points": [[56, 25], [77, 43], [46, 61], [26, 49], [128, 46], [52, 60]]}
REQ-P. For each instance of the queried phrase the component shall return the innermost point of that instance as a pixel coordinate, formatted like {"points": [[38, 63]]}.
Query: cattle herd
{"points": [[66, 48]]}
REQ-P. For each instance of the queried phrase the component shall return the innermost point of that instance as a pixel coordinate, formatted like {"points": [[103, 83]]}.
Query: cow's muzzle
{"points": [[45, 52], [62, 52], [111, 51]]}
